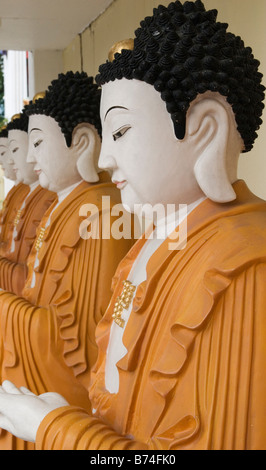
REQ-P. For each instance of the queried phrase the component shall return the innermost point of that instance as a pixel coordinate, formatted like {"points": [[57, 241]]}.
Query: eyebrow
{"points": [[35, 129], [115, 107]]}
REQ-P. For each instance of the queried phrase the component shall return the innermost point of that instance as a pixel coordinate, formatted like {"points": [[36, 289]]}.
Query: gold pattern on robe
{"points": [[123, 302], [47, 335], [17, 218], [193, 376], [39, 240]]}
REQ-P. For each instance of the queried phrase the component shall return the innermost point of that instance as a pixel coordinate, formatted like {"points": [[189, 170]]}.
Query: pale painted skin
{"points": [[147, 162], [55, 164], [4, 158], [149, 165], [18, 147]]}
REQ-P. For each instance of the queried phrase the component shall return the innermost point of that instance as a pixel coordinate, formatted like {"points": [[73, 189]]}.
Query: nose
{"points": [[9, 159], [106, 160], [30, 156]]}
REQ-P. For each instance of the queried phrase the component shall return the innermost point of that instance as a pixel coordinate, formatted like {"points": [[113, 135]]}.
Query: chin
{"points": [[129, 199], [44, 183], [128, 205]]}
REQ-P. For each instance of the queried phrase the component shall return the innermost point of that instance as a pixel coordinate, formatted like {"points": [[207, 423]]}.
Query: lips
{"points": [[120, 184]]}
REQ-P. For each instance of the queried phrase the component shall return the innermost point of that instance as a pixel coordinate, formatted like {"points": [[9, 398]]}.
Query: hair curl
{"points": [[71, 99], [183, 51]]}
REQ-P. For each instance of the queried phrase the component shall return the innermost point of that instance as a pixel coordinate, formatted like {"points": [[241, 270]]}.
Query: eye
{"points": [[36, 144], [15, 150], [120, 132], [2, 154]]}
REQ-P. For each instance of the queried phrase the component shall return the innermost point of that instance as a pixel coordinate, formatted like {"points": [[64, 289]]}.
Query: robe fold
{"points": [[11, 205], [194, 374], [47, 339], [13, 267]]}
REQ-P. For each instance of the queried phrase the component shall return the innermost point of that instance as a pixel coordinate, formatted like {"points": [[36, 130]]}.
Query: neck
{"points": [[34, 185], [166, 225], [63, 193]]}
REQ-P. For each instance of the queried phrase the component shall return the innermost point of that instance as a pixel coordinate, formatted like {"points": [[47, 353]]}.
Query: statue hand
{"points": [[21, 411]]}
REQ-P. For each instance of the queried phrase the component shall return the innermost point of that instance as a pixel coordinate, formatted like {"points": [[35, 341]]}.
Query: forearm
{"points": [[17, 358], [71, 428], [12, 276]]}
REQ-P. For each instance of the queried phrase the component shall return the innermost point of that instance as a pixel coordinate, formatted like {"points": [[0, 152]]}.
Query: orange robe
{"points": [[48, 337], [11, 205], [194, 375], [13, 267]]}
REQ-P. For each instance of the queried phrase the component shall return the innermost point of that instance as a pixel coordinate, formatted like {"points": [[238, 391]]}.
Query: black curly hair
{"points": [[20, 122], [183, 51], [3, 133], [71, 99]]}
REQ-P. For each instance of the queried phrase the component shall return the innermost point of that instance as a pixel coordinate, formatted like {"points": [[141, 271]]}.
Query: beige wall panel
{"points": [[47, 65], [118, 22], [88, 52], [72, 56], [122, 18], [247, 19]]}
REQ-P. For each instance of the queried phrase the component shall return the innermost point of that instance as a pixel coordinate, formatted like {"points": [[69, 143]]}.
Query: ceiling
{"points": [[45, 24]]}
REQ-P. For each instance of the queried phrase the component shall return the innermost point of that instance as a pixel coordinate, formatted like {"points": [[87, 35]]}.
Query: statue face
{"points": [[4, 159], [18, 147], [3, 149], [55, 163], [149, 165]]}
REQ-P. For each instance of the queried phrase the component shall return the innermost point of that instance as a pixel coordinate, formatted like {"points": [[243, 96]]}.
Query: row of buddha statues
{"points": [[118, 342]]}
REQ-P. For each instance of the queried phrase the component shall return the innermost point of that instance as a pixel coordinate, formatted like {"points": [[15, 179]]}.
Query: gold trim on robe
{"points": [[194, 374], [48, 335], [13, 267], [11, 205]]}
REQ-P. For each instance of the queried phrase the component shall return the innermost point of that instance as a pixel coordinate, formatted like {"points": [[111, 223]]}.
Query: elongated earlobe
{"points": [[212, 129], [85, 143]]}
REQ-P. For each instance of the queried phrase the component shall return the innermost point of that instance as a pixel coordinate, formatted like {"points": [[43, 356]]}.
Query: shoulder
{"points": [[243, 235], [102, 195]]}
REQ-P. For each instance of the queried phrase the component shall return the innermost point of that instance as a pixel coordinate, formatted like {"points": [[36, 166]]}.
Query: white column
{"points": [[16, 84]]}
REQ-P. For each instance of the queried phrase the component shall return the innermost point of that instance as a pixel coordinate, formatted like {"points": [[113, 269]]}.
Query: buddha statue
{"points": [[7, 169], [15, 195], [13, 262], [18, 146], [47, 335], [181, 346], [7, 182]]}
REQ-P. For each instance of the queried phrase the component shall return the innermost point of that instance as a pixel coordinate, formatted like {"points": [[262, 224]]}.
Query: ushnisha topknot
{"points": [[71, 99], [183, 51], [19, 121]]}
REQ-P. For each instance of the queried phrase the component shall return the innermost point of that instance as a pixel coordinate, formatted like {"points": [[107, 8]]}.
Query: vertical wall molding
{"points": [[81, 52]]}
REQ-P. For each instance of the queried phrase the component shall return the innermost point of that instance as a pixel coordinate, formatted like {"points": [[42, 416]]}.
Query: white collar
{"points": [[66, 191], [34, 185], [166, 225]]}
